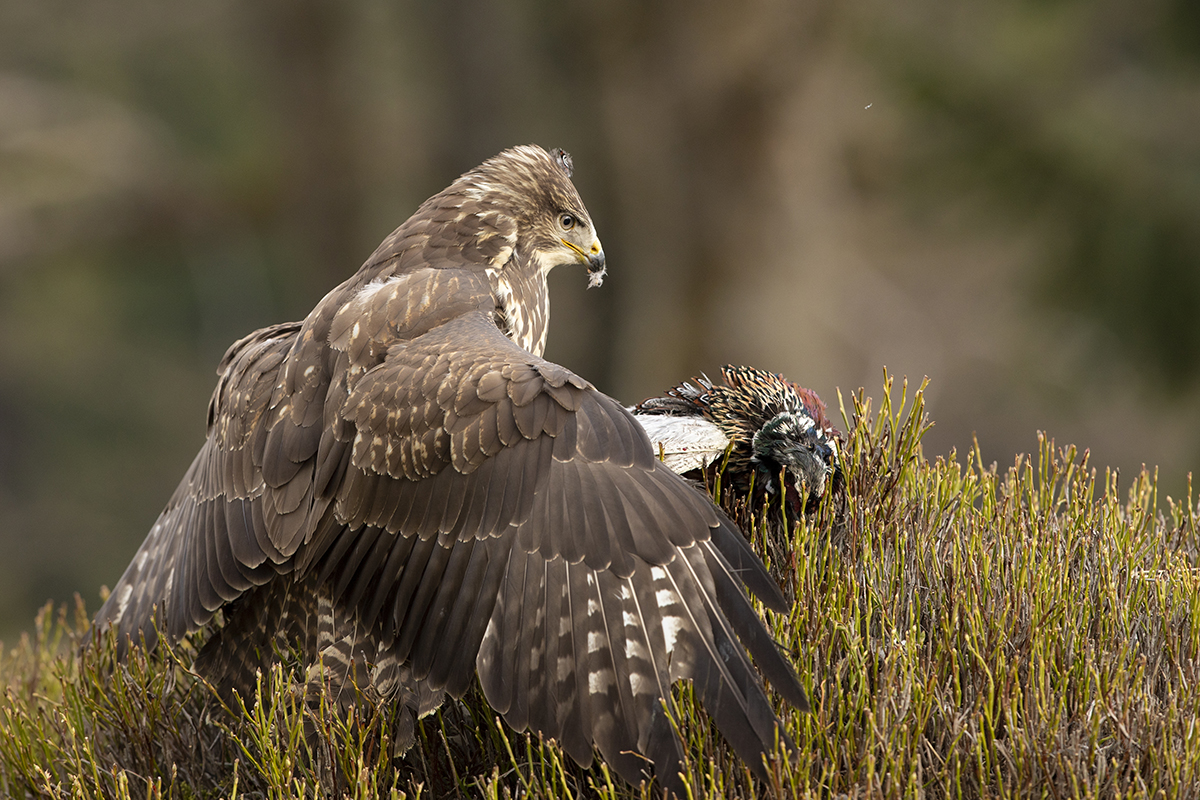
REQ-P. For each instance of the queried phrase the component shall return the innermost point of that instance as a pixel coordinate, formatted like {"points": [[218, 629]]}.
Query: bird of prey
{"points": [[783, 451], [403, 489]]}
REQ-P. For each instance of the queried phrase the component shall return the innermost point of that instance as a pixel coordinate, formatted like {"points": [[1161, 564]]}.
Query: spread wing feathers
{"points": [[211, 543], [610, 574], [586, 656]]}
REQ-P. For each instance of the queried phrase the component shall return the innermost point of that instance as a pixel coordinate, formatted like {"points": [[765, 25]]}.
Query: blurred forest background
{"points": [[1001, 195]]}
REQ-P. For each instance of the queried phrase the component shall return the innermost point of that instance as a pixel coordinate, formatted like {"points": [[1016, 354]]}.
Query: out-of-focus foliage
{"points": [[1083, 117], [1001, 195]]}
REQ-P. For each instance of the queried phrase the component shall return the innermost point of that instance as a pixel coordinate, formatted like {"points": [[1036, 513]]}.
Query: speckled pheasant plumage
{"points": [[783, 452], [403, 489]]}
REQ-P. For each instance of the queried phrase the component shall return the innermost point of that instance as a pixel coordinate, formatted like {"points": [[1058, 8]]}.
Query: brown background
{"points": [[1002, 195]]}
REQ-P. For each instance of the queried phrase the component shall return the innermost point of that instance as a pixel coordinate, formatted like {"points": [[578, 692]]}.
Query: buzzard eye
{"points": [[567, 221]]}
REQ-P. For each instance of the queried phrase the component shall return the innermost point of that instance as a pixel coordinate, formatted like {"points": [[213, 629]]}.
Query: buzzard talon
{"points": [[401, 487]]}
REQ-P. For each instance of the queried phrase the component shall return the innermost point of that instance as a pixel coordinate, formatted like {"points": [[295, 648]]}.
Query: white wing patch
{"points": [[671, 628]]}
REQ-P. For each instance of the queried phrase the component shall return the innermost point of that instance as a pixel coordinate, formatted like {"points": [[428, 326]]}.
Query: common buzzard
{"points": [[402, 487]]}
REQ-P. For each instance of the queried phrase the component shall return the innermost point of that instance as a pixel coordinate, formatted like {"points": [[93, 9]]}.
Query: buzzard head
{"points": [[551, 225], [518, 216]]}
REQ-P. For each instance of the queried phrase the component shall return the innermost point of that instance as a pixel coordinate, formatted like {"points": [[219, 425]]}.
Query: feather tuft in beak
{"points": [[596, 269]]}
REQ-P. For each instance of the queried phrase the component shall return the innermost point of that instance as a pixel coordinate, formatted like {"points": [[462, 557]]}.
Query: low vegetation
{"points": [[964, 630]]}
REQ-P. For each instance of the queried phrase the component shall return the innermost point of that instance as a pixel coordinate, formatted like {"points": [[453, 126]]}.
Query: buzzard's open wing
{"points": [[493, 497], [211, 543]]}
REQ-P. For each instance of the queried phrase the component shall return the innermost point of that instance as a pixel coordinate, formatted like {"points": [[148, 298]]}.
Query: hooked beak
{"points": [[594, 258]]}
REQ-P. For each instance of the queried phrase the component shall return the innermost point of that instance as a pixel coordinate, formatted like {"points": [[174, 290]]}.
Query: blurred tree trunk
{"points": [[691, 96], [303, 44]]}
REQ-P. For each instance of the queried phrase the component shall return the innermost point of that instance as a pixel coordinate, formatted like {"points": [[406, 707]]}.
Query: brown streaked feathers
{"points": [[400, 486]]}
